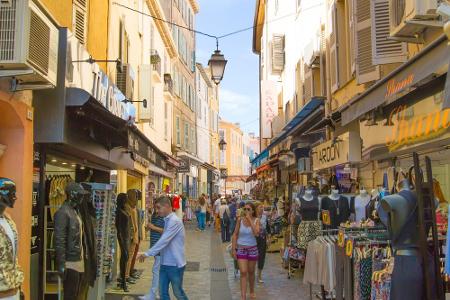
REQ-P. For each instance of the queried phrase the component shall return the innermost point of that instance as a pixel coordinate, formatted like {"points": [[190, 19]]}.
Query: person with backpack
{"points": [[224, 214]]}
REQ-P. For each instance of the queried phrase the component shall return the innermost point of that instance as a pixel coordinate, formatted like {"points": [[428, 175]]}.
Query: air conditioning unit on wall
{"points": [[409, 17], [28, 44]]}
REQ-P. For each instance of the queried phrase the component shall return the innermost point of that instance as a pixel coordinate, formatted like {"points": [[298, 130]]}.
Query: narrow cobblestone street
{"points": [[210, 273]]}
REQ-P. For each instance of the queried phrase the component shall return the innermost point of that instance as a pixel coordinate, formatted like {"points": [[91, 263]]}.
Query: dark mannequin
{"points": [[123, 236], [9, 237], [402, 222], [70, 241]]}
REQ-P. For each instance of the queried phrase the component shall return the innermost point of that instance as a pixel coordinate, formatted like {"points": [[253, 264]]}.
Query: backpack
{"points": [[225, 218]]}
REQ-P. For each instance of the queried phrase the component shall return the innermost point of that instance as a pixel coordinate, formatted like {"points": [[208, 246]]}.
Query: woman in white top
{"points": [[244, 248]]}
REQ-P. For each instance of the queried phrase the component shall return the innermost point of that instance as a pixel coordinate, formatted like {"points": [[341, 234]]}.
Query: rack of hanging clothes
{"points": [[354, 266], [55, 186], [320, 263]]}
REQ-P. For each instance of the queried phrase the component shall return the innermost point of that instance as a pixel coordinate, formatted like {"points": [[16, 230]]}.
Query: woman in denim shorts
{"points": [[245, 248]]}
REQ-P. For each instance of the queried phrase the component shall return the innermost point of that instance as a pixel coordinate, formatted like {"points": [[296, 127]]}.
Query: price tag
{"points": [[341, 239], [326, 217], [349, 247]]}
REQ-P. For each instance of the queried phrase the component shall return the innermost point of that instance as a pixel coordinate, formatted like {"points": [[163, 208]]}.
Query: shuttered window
{"points": [[307, 85], [80, 20], [351, 14], [334, 55], [277, 46], [384, 50], [366, 71]]}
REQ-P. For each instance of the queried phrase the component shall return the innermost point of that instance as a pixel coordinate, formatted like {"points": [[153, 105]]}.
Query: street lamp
{"points": [[217, 64], [144, 102], [222, 145]]}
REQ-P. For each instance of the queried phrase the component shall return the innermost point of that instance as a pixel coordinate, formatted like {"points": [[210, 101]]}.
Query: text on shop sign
{"points": [[394, 86]]}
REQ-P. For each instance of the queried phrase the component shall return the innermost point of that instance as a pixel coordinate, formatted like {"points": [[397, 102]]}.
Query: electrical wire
{"points": [[218, 37]]}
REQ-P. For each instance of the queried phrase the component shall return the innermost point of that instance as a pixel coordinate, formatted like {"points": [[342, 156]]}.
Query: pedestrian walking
{"points": [[203, 207], [156, 227], [216, 213], [261, 240], [244, 248], [233, 214], [208, 211], [224, 214], [172, 250]]}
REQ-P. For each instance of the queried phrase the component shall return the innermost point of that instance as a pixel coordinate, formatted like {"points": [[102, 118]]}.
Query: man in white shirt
{"points": [[171, 248]]}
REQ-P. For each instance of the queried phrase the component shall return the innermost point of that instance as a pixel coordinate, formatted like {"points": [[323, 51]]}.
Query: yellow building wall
{"points": [[97, 34]]}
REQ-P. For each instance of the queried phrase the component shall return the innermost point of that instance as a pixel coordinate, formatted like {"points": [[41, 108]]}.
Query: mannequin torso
{"points": [[309, 206], [361, 203]]}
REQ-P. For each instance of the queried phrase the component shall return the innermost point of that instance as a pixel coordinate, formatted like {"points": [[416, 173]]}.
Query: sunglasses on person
{"points": [[247, 209]]}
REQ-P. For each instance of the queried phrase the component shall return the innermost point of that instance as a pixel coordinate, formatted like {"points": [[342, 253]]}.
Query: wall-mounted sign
{"points": [[426, 122], [184, 166], [269, 107], [343, 149], [395, 86]]}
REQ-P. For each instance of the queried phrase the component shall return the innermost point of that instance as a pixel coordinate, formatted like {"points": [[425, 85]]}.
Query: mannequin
{"points": [[310, 226], [338, 208], [133, 198], [361, 203], [69, 241], [10, 284], [402, 224], [123, 221], [280, 207]]}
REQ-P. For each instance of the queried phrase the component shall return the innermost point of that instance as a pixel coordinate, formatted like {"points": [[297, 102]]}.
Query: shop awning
{"points": [[252, 177], [299, 118], [191, 158], [173, 161], [208, 166], [260, 159], [158, 171], [237, 178], [428, 64], [446, 103]]}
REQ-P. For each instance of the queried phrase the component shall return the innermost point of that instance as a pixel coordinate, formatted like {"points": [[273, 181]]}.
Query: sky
{"points": [[239, 89]]}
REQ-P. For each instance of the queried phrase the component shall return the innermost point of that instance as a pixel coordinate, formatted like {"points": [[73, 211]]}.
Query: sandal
{"points": [[253, 296]]}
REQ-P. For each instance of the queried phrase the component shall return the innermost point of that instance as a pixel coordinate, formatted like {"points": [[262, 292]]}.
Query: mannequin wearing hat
{"points": [[13, 277], [69, 241]]}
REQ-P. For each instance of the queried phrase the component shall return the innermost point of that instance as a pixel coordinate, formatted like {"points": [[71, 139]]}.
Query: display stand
{"points": [[427, 226]]}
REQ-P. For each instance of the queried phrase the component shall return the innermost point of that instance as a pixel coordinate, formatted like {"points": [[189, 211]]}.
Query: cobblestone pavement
{"points": [[210, 273]]}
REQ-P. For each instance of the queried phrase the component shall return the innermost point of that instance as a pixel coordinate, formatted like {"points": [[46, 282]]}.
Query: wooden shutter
{"points": [[145, 92], [366, 71], [307, 84], [384, 50], [351, 14], [277, 53], [80, 20], [334, 55]]}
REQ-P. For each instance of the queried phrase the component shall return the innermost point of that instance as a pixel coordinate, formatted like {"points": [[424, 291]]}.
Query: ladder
{"points": [[427, 223]]}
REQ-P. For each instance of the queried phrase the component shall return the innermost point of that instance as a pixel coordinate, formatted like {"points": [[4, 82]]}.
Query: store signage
{"points": [[343, 149], [349, 247], [416, 128], [394, 86], [269, 107], [89, 77], [341, 238], [184, 167], [326, 219]]}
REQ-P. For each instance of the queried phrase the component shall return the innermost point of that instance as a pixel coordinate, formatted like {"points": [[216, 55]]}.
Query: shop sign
{"points": [[394, 86], [184, 167], [89, 77], [326, 219], [425, 125], [345, 148], [341, 238], [269, 107], [349, 247]]}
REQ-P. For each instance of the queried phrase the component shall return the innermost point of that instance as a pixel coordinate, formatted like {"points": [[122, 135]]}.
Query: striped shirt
{"points": [[155, 235]]}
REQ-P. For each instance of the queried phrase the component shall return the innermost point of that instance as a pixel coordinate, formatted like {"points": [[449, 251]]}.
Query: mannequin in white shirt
{"points": [[361, 202], [308, 196], [334, 195]]}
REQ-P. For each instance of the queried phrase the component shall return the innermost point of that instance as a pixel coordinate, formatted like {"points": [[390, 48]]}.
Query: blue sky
{"points": [[239, 99]]}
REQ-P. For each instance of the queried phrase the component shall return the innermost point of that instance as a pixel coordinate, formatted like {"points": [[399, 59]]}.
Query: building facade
{"points": [[353, 80]]}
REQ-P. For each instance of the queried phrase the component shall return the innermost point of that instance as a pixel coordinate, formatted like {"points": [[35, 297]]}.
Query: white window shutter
{"points": [[277, 53], [366, 71], [384, 50], [308, 84], [80, 20], [351, 10], [145, 92], [334, 55]]}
